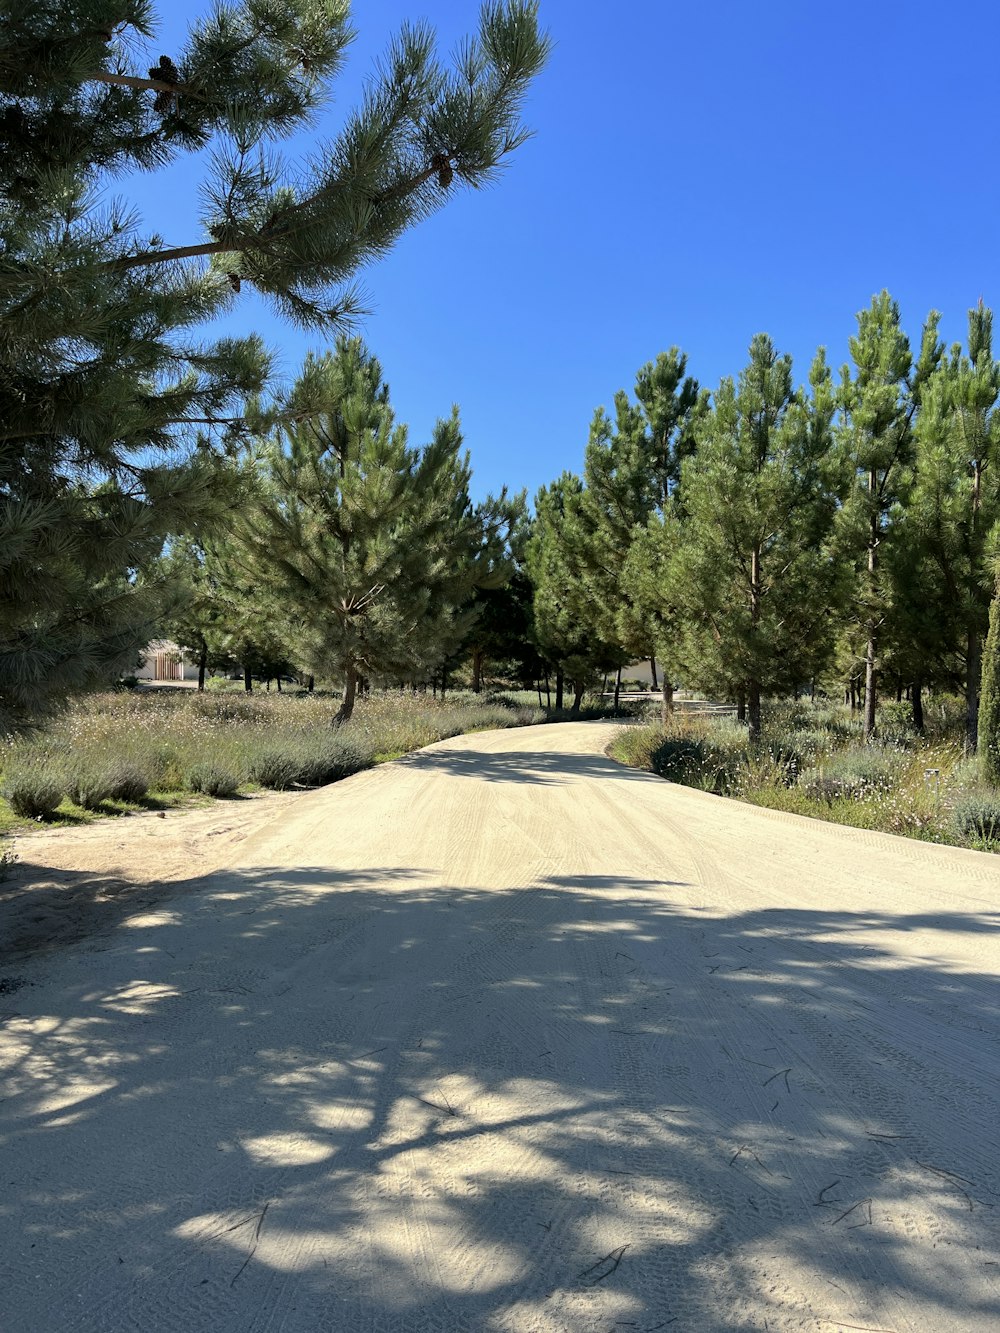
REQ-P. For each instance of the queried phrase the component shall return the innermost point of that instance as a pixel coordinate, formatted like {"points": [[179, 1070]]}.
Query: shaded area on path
{"points": [[699, 1107]]}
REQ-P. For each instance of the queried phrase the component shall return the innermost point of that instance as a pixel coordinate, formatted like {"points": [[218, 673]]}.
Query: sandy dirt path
{"points": [[501, 1037]]}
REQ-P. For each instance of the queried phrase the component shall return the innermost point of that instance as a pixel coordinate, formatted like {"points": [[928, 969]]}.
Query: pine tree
{"points": [[196, 621], [104, 387], [371, 547], [567, 622], [952, 505], [878, 406], [759, 498], [651, 575], [220, 611], [500, 630], [631, 466]]}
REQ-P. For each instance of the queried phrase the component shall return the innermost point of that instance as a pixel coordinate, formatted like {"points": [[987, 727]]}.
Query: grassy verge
{"points": [[813, 761], [120, 752]]}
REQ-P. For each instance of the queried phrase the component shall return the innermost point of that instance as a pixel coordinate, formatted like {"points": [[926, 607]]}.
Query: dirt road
{"points": [[504, 1037]]}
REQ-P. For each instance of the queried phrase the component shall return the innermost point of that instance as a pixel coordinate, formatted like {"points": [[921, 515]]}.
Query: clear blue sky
{"points": [[699, 172]]}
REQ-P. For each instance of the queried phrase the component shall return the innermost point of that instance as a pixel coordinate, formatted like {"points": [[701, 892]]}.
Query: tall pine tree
{"points": [[371, 547], [759, 498], [878, 404]]}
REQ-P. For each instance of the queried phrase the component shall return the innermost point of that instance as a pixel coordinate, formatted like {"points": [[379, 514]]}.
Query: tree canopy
{"points": [[119, 412]]}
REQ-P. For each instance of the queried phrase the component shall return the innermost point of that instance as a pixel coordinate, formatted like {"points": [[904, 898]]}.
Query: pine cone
{"points": [[165, 71], [234, 281], [441, 163]]}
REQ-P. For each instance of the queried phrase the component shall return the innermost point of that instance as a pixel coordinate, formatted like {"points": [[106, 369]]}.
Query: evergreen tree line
{"points": [[123, 423], [769, 538]]}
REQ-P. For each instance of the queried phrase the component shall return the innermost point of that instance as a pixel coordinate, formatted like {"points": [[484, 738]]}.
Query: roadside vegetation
{"points": [[812, 759], [757, 540], [116, 752]]}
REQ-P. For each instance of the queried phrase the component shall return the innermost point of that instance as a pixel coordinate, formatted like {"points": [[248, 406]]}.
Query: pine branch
{"points": [[147, 257], [143, 85], [275, 228]]}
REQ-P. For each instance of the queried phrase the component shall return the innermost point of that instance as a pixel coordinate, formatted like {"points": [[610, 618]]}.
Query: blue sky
{"points": [[699, 173]]}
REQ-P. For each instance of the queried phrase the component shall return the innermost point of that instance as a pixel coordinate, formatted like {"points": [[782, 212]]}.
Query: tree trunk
{"points": [[579, 686], [667, 706], [753, 710], [538, 686], [477, 670], [917, 700], [248, 680], [560, 683], [618, 687], [311, 684], [753, 685], [741, 706], [278, 679], [870, 687], [871, 648], [604, 685], [548, 692], [350, 692], [652, 668], [202, 665], [974, 670]]}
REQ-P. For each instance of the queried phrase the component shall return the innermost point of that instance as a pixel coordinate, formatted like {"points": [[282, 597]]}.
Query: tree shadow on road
{"points": [[582, 1105], [523, 766]]}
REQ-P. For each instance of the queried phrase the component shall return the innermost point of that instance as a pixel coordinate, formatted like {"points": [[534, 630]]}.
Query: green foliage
{"points": [[943, 528], [917, 792], [119, 747], [750, 568], [876, 445], [856, 773], [32, 794], [93, 780], [212, 779], [894, 724], [372, 548], [989, 704], [977, 816], [118, 421]]}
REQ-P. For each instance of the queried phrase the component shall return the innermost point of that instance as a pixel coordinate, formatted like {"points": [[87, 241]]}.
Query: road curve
{"points": [[506, 1038]]}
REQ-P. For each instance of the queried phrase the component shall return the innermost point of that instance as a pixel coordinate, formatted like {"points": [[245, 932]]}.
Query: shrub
{"points": [[977, 816], [94, 781], [127, 782], [89, 788], [32, 795], [678, 758], [276, 769], [212, 779], [894, 723], [854, 773]]}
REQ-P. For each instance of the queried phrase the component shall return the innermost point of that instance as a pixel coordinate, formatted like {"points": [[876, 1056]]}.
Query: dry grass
{"points": [[813, 761], [116, 751]]}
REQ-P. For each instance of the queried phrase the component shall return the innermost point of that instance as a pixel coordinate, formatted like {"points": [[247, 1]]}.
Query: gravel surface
{"points": [[499, 1037]]}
